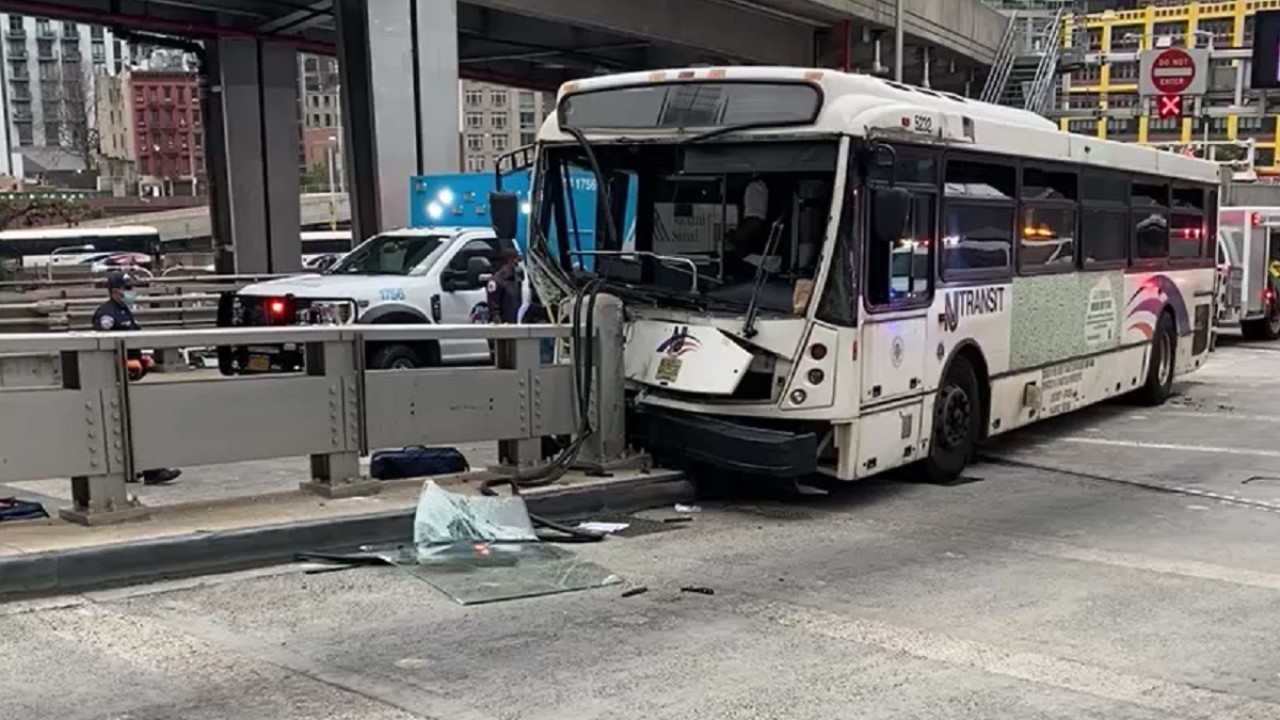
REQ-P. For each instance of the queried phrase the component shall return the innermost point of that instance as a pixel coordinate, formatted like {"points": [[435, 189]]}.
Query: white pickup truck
{"points": [[414, 275]]}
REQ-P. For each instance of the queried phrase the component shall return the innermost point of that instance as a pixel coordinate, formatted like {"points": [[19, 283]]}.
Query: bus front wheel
{"points": [[957, 424]]}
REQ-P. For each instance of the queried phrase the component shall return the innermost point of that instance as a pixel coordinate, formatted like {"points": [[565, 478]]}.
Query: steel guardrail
{"points": [[99, 429]]}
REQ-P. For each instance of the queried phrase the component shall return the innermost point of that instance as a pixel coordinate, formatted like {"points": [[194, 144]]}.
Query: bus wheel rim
{"points": [[402, 364], [957, 412], [1166, 359]]}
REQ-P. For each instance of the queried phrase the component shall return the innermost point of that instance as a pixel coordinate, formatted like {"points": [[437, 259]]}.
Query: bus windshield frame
{"points": [[659, 192]]}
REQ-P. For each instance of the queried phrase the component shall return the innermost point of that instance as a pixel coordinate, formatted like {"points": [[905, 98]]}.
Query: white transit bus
{"points": [[94, 249], [836, 273]]}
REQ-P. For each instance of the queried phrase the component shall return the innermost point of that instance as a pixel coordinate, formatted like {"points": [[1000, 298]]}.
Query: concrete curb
{"points": [[93, 568]]}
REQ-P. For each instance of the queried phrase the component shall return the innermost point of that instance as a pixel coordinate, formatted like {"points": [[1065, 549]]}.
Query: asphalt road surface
{"points": [[1124, 567]]}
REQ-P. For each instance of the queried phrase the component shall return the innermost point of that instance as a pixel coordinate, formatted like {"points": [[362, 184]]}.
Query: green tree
{"points": [[18, 211], [316, 177]]}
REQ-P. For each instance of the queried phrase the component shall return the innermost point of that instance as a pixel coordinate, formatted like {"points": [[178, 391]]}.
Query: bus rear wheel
{"points": [[957, 424], [1164, 353]]}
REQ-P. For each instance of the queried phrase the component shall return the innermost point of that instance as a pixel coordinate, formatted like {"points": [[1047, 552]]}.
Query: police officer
{"points": [[505, 292], [116, 315]]}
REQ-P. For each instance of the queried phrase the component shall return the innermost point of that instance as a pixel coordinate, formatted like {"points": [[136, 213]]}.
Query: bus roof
{"points": [[75, 233], [863, 105]]}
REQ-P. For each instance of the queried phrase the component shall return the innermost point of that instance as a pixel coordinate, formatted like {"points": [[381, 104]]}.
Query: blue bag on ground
{"points": [[416, 461], [15, 509]]}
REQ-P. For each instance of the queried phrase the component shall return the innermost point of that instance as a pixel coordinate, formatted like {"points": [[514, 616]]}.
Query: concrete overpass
{"points": [[400, 61], [196, 222]]}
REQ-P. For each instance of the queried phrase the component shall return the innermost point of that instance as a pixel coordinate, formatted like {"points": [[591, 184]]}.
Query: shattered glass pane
{"points": [[474, 573], [479, 549], [444, 518]]}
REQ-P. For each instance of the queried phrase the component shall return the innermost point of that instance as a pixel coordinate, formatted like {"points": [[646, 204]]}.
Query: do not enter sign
{"points": [[1174, 71]]}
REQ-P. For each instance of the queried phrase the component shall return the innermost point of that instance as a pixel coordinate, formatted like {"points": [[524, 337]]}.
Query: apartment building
{"points": [[48, 72], [497, 119], [168, 136]]}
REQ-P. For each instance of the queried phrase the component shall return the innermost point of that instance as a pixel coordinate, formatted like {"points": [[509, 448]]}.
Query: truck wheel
{"points": [[394, 357], [957, 424], [1164, 354], [1267, 328]]}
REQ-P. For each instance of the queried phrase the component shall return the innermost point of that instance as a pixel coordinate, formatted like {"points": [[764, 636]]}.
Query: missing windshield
{"points": [[714, 224]]}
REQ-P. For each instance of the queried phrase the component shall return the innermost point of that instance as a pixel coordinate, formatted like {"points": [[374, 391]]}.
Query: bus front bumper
{"points": [[727, 444]]}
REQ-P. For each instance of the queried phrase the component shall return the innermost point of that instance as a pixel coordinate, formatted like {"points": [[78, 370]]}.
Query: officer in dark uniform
{"points": [[505, 290], [116, 315]]}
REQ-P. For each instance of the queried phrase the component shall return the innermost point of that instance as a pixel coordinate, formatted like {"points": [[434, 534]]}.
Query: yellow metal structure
{"points": [[1115, 85]]}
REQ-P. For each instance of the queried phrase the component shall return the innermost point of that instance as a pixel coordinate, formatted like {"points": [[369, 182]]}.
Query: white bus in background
{"points": [[979, 270], [91, 249], [321, 248]]}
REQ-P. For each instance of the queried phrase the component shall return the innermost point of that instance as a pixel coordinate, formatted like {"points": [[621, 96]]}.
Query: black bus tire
{"points": [[1160, 369], [957, 424]]}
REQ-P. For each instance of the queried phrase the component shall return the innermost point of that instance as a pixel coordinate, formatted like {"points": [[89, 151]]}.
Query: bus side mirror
{"points": [[890, 210], [504, 210]]}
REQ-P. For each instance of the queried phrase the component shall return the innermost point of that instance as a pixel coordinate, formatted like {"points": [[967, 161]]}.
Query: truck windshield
{"points": [[390, 255], [704, 221]]}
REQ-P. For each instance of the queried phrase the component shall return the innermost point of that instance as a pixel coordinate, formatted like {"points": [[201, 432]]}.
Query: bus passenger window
{"points": [[977, 237], [1151, 233], [1187, 234], [1047, 239], [1104, 235]]}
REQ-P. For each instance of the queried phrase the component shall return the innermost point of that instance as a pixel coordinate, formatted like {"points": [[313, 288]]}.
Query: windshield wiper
{"points": [[762, 275], [709, 134]]}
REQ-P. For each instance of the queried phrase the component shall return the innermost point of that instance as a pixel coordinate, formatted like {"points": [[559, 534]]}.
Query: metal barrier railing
{"points": [[99, 429], [165, 302]]}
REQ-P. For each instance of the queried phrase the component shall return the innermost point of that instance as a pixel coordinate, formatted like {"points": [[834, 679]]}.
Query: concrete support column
{"points": [[254, 153], [399, 65]]}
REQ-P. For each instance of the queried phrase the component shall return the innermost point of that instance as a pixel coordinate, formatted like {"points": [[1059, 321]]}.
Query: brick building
{"points": [[168, 138]]}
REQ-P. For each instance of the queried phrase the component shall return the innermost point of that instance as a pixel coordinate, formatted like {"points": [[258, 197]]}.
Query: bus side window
{"points": [[903, 272]]}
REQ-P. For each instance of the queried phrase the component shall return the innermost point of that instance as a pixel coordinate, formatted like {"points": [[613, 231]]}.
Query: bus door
{"points": [[899, 288]]}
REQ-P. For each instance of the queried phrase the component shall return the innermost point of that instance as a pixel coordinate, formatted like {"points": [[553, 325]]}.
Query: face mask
{"points": [[128, 296]]}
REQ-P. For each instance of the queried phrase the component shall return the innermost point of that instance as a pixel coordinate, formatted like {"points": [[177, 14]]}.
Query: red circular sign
{"points": [[1172, 71]]}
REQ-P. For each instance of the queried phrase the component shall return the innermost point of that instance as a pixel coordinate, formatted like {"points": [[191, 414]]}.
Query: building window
{"points": [[474, 98], [500, 143], [1124, 71], [498, 121], [475, 143], [1122, 126], [15, 22], [498, 98], [474, 120], [527, 138], [96, 32], [475, 164]]}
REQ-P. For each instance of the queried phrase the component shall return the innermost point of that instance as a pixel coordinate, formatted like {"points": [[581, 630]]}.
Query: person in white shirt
{"points": [[753, 229]]}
